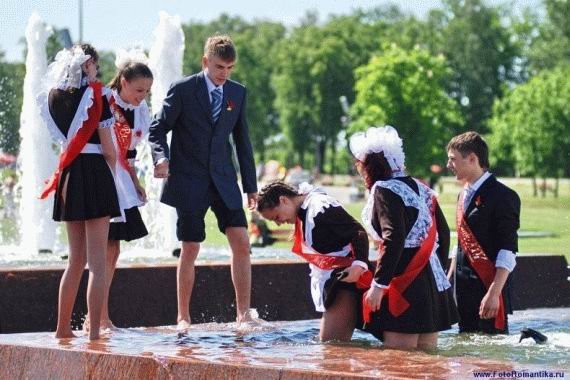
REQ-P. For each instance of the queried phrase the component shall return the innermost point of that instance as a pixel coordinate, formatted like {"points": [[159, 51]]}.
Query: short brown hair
{"points": [[375, 168], [220, 46], [471, 142]]}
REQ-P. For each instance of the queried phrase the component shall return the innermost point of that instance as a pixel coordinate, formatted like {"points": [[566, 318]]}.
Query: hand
{"points": [[373, 298], [489, 306], [251, 201], [141, 192], [354, 273], [161, 170]]}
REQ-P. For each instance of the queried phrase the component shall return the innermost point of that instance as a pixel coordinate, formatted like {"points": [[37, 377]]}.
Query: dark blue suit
{"points": [[200, 154]]}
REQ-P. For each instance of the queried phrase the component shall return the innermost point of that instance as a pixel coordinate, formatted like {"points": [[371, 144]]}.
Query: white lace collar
{"points": [[124, 105]]}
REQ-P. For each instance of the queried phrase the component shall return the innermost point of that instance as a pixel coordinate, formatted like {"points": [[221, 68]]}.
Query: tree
{"points": [[406, 89], [531, 125], [11, 84], [480, 53], [550, 41]]}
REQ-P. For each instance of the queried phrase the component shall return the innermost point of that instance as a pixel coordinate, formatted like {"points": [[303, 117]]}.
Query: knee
{"points": [[189, 252]]}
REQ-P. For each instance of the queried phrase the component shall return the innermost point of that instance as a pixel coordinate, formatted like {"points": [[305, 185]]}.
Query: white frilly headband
{"points": [[376, 140], [65, 71], [124, 57]]}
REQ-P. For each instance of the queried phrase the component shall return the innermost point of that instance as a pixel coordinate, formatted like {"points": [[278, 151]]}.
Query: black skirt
{"points": [[91, 191], [430, 310], [132, 229]]}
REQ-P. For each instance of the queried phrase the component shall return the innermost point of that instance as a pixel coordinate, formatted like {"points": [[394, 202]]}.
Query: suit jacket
{"points": [[493, 215], [200, 153]]}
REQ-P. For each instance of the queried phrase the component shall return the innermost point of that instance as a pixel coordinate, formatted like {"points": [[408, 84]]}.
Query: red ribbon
{"points": [[478, 259], [123, 133], [77, 142], [397, 304]]}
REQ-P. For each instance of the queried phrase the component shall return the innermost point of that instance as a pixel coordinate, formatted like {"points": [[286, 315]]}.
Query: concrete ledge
{"points": [[146, 296]]}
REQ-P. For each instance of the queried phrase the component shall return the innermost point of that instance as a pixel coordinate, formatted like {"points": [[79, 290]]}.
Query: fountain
{"points": [[144, 294], [37, 157]]}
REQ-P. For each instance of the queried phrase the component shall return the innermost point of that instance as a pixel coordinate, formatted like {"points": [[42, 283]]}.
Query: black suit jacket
{"points": [[493, 215], [200, 152]]}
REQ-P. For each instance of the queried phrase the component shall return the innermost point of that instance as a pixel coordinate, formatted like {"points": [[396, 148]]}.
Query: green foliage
{"points": [[11, 95], [531, 125], [406, 89], [479, 51]]}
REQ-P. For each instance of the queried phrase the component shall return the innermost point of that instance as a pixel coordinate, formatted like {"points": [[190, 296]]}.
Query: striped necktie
{"points": [[216, 104]]}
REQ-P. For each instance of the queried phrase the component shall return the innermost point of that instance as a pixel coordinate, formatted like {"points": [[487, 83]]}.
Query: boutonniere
{"points": [[230, 105], [478, 201], [138, 133]]}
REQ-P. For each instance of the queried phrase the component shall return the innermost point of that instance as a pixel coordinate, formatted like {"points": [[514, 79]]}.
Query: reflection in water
{"points": [[293, 345]]}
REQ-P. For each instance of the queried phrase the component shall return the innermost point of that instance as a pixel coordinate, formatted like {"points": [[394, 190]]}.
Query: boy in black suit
{"points": [[488, 214]]}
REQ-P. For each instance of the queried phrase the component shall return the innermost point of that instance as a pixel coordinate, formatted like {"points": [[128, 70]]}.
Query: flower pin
{"points": [[138, 133], [230, 105], [478, 201]]}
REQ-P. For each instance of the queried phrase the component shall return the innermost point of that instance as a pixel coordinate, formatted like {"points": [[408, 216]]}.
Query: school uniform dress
{"points": [[131, 225], [328, 231], [399, 215], [90, 187]]}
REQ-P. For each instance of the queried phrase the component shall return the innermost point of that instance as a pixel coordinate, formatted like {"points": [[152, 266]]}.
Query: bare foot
{"points": [[65, 334], [107, 325], [94, 336], [183, 326]]}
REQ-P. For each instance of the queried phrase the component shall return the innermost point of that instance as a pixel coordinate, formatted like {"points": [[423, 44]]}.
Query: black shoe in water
{"points": [[530, 333]]}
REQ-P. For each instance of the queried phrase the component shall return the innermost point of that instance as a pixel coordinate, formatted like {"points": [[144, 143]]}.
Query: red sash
{"points": [[397, 304], [77, 142], [327, 262], [123, 133], [484, 267]]}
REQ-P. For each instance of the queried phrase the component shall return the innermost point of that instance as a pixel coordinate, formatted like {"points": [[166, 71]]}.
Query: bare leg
{"points": [[97, 232], [185, 281], [427, 341], [400, 341], [71, 277], [339, 321], [241, 270], [113, 251]]}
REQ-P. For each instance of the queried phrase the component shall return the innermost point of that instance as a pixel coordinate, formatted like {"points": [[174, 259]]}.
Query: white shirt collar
{"points": [[121, 103], [479, 182], [211, 86]]}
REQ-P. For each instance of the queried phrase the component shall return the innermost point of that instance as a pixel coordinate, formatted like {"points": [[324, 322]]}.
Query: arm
{"points": [[507, 219], [245, 151], [107, 146], [443, 237], [163, 122]]}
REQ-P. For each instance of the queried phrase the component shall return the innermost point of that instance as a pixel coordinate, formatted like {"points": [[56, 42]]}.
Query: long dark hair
{"points": [[374, 168], [130, 71], [268, 197]]}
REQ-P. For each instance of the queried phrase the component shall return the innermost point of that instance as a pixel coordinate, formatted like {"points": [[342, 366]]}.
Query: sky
{"points": [[113, 24]]}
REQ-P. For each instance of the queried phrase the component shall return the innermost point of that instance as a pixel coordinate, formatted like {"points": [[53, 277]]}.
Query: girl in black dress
{"points": [[78, 116], [334, 244], [410, 296], [129, 89]]}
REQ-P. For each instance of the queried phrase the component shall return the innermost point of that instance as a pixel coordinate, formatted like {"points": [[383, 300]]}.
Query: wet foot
{"points": [[65, 334], [183, 326], [107, 325]]}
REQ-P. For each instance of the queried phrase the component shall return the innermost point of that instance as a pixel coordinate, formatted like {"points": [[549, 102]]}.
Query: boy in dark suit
{"points": [[202, 111], [487, 222]]}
